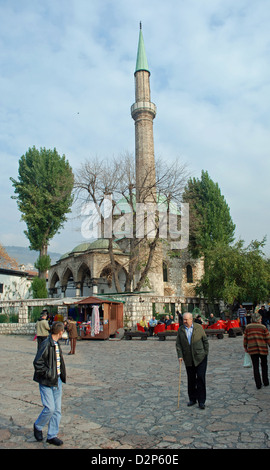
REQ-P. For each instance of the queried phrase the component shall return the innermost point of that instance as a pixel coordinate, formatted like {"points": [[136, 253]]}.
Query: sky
{"points": [[67, 82]]}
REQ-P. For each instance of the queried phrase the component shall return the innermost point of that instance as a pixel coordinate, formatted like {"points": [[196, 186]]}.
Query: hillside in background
{"points": [[26, 256]]}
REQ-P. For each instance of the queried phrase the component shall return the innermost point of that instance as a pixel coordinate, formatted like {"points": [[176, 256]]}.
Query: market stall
{"points": [[100, 317]]}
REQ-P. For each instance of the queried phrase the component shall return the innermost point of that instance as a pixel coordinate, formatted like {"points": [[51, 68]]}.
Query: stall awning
{"points": [[98, 300]]}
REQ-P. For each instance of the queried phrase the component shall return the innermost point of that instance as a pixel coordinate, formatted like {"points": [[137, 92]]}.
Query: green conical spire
{"points": [[141, 63]]}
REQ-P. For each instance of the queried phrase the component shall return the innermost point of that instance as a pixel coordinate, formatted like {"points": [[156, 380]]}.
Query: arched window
{"points": [[165, 272], [189, 273]]}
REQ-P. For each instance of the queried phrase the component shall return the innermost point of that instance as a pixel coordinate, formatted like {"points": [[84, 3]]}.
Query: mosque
{"points": [[86, 269]]}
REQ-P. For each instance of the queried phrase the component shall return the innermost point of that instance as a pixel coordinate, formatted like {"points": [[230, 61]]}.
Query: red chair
{"points": [[159, 328], [219, 325], [232, 324], [139, 327]]}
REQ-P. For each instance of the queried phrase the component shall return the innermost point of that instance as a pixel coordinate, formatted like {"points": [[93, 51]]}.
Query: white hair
{"points": [[188, 315]]}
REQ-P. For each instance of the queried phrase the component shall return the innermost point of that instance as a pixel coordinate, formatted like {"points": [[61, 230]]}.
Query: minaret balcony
{"points": [[142, 106]]}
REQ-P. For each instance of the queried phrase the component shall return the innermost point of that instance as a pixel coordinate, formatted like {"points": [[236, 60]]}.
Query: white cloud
{"points": [[209, 66]]}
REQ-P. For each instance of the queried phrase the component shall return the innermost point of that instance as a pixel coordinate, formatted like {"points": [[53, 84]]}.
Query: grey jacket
{"points": [[197, 350]]}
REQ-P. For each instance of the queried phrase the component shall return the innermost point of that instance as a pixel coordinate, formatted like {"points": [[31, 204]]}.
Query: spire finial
{"points": [[141, 63]]}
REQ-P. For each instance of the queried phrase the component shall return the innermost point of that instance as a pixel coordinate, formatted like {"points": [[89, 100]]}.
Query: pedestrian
{"points": [[192, 347], [198, 319], [72, 334], [180, 317], [42, 328], [242, 315], [50, 372], [65, 336], [51, 319], [264, 314], [256, 342]]}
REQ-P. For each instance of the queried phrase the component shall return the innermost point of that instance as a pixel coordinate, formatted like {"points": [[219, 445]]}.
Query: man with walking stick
{"points": [[192, 347]]}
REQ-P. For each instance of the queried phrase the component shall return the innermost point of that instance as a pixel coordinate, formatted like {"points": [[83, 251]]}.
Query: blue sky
{"points": [[66, 81]]}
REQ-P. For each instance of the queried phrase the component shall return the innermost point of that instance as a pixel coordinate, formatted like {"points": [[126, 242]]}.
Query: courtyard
{"points": [[124, 395]]}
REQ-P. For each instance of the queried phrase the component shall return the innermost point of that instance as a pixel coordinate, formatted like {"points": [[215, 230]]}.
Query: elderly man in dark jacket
{"points": [[192, 347], [50, 372]]}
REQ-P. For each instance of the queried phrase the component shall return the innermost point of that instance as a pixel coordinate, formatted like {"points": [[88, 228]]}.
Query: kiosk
{"points": [[100, 317]]}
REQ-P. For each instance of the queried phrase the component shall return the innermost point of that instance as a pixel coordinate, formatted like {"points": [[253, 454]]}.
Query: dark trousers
{"points": [[256, 359], [73, 342], [40, 339], [196, 381]]}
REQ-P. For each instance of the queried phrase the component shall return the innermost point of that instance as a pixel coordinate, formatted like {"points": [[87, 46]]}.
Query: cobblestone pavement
{"points": [[124, 395]]}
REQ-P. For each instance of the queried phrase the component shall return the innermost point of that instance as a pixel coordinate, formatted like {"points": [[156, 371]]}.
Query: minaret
{"points": [[143, 111]]}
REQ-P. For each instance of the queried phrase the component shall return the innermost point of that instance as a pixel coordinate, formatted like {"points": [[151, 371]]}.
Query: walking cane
{"points": [[179, 384]]}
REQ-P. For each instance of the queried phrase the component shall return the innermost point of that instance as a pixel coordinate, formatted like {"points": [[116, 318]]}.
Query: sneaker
{"points": [[38, 434], [55, 441]]}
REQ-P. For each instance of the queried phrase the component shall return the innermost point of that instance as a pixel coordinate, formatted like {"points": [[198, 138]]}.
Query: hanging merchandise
{"points": [[95, 328]]}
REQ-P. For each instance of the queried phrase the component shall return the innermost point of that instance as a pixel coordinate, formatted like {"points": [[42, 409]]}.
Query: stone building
{"points": [[85, 270]]}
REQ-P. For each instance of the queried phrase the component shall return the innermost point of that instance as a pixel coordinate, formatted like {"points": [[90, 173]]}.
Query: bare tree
{"points": [[111, 186]]}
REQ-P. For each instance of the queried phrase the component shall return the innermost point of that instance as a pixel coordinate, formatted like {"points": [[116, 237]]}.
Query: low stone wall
{"points": [[17, 329], [138, 306]]}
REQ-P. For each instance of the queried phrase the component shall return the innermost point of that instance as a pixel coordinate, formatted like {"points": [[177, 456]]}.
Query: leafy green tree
{"points": [[235, 273], [44, 197], [39, 289], [210, 219]]}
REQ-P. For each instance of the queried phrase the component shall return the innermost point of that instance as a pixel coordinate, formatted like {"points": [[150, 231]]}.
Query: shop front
{"points": [[100, 318]]}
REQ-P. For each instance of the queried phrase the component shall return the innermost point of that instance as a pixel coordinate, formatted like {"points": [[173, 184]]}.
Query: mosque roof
{"points": [[80, 248], [103, 244], [100, 244], [141, 63]]}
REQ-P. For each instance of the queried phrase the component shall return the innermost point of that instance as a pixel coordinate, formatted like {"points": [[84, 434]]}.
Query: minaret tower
{"points": [[143, 111]]}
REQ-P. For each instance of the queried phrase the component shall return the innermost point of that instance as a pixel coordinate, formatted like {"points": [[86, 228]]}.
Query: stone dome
{"points": [[100, 244]]}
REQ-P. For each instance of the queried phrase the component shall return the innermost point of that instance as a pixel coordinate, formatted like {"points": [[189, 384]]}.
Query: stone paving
{"points": [[124, 395]]}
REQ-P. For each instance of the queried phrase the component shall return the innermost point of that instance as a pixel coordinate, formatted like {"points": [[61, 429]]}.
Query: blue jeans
{"points": [[51, 398], [243, 321]]}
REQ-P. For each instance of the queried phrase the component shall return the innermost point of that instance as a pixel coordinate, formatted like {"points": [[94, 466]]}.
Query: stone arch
{"points": [[83, 277], [54, 279], [107, 274], [106, 283], [67, 276]]}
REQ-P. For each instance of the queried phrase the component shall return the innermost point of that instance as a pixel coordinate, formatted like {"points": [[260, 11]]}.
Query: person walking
{"points": [[242, 315], [42, 328], [192, 347], [264, 315], [256, 343], [50, 373], [72, 334]]}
